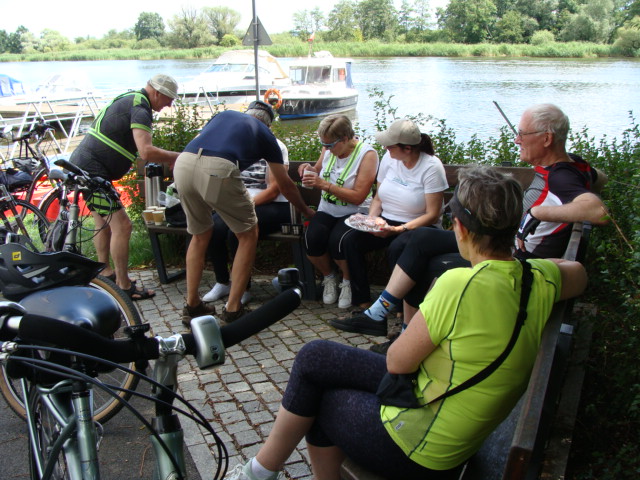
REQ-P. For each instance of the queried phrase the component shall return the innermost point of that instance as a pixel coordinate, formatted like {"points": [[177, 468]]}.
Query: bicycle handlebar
{"points": [[91, 182], [43, 330], [39, 129]]}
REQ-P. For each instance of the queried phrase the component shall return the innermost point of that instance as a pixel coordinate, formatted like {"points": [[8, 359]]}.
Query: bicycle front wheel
{"points": [[26, 219], [45, 432], [104, 405]]}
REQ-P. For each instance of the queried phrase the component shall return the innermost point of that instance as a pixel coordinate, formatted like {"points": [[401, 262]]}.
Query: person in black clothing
{"points": [[120, 133]]}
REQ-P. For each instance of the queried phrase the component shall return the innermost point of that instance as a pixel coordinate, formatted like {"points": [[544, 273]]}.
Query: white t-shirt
{"points": [[402, 190], [336, 171], [255, 177]]}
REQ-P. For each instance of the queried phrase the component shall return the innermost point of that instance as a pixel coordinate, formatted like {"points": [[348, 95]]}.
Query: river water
{"points": [[595, 93]]}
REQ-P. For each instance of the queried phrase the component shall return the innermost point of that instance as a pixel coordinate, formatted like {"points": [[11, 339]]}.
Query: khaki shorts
{"points": [[208, 184]]}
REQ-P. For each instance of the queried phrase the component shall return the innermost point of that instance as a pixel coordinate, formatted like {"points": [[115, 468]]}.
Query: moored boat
{"points": [[320, 85], [231, 78]]}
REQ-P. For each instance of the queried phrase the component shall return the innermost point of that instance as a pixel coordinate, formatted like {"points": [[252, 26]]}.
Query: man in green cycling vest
{"points": [[120, 133]]}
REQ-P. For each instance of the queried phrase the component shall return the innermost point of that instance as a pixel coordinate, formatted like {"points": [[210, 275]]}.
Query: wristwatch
{"points": [[404, 228]]}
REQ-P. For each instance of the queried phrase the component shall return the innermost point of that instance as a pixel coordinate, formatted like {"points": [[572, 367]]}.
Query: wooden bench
{"points": [[518, 447], [296, 241]]}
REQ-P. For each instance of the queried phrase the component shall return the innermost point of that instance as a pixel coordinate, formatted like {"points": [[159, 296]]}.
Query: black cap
{"points": [[260, 105]]}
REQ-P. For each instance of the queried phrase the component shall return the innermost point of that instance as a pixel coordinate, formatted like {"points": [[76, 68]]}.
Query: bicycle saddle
{"points": [[83, 306]]}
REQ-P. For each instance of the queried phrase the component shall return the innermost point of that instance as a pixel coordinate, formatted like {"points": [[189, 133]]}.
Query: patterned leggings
{"points": [[336, 384]]}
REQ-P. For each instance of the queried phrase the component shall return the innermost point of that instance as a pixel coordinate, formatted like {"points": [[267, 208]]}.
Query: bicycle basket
{"points": [[23, 272]]}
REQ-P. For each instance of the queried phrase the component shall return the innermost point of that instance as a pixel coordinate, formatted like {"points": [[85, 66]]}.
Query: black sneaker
{"points": [[382, 348], [360, 323], [229, 317], [190, 312]]}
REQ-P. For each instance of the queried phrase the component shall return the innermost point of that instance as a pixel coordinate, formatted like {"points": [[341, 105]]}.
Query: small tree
{"points": [[341, 22], [189, 29], [222, 21], [149, 25], [628, 41]]}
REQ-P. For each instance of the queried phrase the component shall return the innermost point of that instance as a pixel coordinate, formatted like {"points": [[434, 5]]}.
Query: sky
{"points": [[80, 18]]}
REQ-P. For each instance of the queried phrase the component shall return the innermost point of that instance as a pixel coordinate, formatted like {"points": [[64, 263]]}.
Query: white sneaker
{"points": [[330, 290], [345, 295], [243, 472], [246, 297], [218, 291]]}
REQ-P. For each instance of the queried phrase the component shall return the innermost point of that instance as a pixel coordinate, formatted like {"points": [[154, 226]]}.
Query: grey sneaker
{"points": [[243, 472], [190, 312], [330, 290], [229, 317], [344, 301]]}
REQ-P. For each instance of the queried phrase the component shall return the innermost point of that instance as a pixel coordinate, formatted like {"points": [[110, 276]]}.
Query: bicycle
{"points": [[62, 438], [22, 218], [62, 206], [31, 160], [23, 272]]}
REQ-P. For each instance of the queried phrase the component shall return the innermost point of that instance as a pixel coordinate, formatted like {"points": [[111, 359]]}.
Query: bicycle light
{"points": [[210, 349]]}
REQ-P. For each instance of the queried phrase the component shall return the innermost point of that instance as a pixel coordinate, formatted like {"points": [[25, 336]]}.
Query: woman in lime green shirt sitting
{"points": [[467, 323]]}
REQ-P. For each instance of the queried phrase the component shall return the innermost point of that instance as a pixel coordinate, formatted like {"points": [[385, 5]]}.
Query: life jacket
{"points": [[95, 128], [329, 197]]}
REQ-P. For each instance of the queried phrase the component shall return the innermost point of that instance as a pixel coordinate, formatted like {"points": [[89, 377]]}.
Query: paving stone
{"points": [[242, 396]]}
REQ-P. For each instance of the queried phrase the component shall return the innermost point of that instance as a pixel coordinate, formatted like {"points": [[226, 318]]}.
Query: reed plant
{"points": [[343, 49]]}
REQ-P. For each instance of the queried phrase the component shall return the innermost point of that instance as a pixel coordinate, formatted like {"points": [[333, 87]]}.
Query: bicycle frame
{"points": [[69, 403], [7, 202]]}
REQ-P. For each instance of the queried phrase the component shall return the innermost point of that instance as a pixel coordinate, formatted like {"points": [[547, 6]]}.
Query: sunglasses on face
{"points": [[330, 145]]}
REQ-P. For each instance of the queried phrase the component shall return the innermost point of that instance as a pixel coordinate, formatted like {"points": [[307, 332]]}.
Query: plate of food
{"points": [[365, 223]]}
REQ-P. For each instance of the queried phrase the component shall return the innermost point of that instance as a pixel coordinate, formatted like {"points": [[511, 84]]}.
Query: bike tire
{"points": [[46, 432], [50, 204], [28, 221], [40, 180], [105, 406]]}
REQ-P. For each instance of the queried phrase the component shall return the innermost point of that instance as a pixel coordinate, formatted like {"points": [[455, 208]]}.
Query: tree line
{"points": [[461, 21]]}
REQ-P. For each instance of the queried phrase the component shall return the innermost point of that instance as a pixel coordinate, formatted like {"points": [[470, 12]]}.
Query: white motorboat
{"points": [[231, 78], [320, 85]]}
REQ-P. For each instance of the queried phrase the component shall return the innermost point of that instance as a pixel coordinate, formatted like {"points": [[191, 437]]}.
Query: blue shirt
{"points": [[237, 137]]}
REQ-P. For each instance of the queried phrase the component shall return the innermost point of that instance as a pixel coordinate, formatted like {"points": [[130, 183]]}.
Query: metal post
{"points": [[256, 43]]}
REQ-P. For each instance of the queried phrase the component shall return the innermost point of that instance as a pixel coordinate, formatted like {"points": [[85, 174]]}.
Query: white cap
{"points": [[401, 131], [165, 84]]}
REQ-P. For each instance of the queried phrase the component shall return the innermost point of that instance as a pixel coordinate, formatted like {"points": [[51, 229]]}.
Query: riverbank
{"points": [[342, 49]]}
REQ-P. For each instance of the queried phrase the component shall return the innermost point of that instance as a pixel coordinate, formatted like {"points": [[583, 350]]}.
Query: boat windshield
{"points": [[230, 67], [303, 74]]}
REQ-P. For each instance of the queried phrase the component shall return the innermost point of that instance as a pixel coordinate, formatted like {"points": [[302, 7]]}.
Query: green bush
{"points": [[541, 37]]}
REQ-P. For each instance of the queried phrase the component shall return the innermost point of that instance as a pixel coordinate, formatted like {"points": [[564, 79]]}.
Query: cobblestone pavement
{"points": [[241, 397]]}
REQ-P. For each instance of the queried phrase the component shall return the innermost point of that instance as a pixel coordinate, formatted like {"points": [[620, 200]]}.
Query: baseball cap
{"points": [[260, 105], [165, 84], [401, 131]]}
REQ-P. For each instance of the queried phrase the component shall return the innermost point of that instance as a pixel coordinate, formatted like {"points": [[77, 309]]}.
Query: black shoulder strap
{"points": [[527, 282]]}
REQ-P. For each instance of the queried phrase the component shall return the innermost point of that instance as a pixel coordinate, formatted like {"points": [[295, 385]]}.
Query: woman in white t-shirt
{"points": [[410, 194]]}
